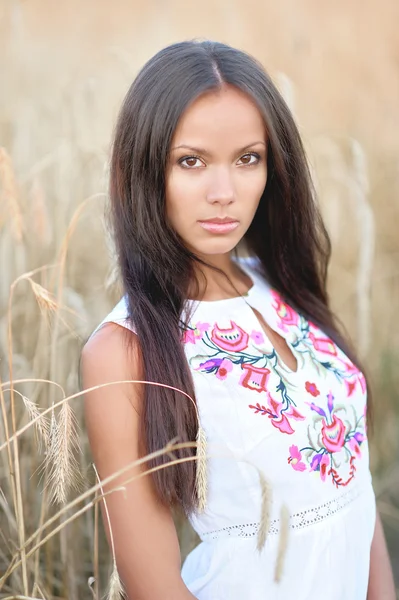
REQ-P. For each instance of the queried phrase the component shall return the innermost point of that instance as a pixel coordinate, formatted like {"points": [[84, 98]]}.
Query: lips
{"points": [[218, 220], [217, 227]]}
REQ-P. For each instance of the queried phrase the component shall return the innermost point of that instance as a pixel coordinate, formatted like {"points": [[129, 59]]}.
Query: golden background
{"points": [[65, 67]]}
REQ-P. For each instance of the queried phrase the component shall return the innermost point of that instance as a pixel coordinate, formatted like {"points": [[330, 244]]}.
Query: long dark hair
{"points": [[287, 233]]}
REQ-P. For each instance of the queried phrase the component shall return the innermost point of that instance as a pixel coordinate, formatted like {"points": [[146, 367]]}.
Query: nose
{"points": [[221, 188]]}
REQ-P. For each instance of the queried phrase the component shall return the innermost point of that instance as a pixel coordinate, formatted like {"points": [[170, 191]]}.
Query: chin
{"points": [[215, 247]]}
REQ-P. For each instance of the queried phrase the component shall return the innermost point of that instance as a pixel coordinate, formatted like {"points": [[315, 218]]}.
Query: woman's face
{"points": [[217, 168]]}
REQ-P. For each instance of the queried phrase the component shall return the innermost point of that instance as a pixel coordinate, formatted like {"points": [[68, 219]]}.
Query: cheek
{"points": [[250, 189], [182, 194]]}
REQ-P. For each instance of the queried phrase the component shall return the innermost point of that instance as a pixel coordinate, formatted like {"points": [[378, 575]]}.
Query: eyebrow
{"points": [[206, 153]]}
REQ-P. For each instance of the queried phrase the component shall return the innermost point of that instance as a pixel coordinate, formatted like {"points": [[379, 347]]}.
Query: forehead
{"points": [[226, 114]]}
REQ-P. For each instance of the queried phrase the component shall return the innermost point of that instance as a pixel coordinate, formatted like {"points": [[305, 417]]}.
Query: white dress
{"points": [[304, 429]]}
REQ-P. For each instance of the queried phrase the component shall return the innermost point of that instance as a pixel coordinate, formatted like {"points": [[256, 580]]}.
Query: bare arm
{"points": [[145, 538], [381, 583]]}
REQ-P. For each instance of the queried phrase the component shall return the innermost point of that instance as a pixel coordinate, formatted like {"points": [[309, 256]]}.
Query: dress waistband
{"points": [[299, 520]]}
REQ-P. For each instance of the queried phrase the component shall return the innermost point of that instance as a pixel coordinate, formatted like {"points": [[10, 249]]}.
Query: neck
{"points": [[216, 286]]}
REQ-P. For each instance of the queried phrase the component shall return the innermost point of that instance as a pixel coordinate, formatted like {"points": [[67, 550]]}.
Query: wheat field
{"points": [[64, 71]]}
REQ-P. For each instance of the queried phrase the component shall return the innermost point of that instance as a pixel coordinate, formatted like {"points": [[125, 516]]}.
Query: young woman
{"points": [[208, 166]]}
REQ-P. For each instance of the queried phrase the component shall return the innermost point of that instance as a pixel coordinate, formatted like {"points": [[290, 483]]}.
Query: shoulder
{"points": [[111, 346], [119, 315], [110, 356]]}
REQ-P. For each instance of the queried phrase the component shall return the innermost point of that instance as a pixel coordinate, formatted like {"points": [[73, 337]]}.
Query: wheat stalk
{"points": [[360, 187], [14, 597], [9, 186], [115, 589], [201, 479], [73, 396], [36, 587], [95, 579], [14, 466], [167, 449], [200, 436], [266, 501], [282, 542], [60, 279], [41, 225]]}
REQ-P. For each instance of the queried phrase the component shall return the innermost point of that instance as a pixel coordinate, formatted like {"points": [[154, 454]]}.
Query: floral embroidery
{"points": [[220, 366], [311, 341], [232, 339], [334, 432], [192, 334], [323, 344], [312, 389], [320, 463], [287, 315], [295, 459], [257, 337], [254, 378], [275, 412], [232, 344], [334, 442]]}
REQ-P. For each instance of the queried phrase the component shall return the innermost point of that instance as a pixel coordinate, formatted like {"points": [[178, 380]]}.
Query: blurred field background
{"points": [[65, 68]]}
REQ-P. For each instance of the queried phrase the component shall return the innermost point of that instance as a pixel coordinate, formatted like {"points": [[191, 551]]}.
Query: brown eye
{"points": [[190, 162], [247, 158]]}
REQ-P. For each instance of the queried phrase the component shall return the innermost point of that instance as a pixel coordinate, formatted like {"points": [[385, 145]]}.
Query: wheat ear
{"points": [[64, 469], [266, 501], [201, 479], [282, 542], [41, 424]]}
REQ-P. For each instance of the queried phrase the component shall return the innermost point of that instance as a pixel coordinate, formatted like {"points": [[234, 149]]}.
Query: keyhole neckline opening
{"points": [[259, 284]]}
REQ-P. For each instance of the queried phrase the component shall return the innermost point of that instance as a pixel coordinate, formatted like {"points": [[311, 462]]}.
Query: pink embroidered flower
{"points": [[312, 389], [320, 462], [295, 459], [276, 415], [225, 367], [350, 387], [293, 413], [359, 437], [350, 368], [324, 464], [323, 344], [315, 464], [257, 337], [279, 418], [192, 335], [211, 365], [283, 424], [232, 339], [354, 446], [333, 434], [287, 315], [254, 378], [220, 366]]}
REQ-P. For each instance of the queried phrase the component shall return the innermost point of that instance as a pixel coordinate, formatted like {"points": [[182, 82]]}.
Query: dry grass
{"points": [[57, 278]]}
